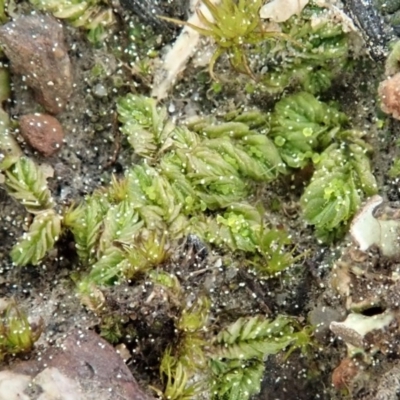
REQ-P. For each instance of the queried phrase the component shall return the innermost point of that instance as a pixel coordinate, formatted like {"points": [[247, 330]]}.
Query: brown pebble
{"points": [[91, 362], [43, 132], [344, 374], [389, 93], [36, 49]]}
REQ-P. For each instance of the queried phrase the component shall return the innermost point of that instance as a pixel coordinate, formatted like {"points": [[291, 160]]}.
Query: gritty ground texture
{"points": [[83, 148]]}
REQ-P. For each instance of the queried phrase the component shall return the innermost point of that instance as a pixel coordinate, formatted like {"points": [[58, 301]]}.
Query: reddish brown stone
{"points": [[43, 132], [344, 374], [90, 362], [36, 49], [389, 93]]}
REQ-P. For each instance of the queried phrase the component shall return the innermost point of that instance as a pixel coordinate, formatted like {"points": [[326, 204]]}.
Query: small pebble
{"points": [[389, 93], [42, 132], [99, 90]]}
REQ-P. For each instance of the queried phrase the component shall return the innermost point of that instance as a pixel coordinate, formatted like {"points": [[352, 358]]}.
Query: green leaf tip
{"points": [[26, 182], [90, 15], [17, 335], [41, 237], [146, 126], [343, 177]]}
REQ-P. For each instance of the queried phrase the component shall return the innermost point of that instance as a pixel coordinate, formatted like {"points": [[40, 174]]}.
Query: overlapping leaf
{"points": [[84, 222], [121, 224], [146, 126], [343, 177], [300, 126], [34, 244], [26, 182], [90, 14], [236, 379], [254, 337]]}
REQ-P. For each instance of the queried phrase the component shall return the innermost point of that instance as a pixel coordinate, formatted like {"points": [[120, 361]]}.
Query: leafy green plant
{"points": [[176, 377], [146, 126], [343, 174], [119, 230], [120, 227], [323, 53], [148, 251], [119, 261], [183, 359], [236, 379], [34, 244], [152, 195], [254, 337], [192, 326], [237, 363], [92, 15], [235, 356], [26, 182], [84, 222], [238, 374], [236, 228], [274, 255], [394, 171], [314, 49], [235, 25], [208, 166], [17, 335], [302, 126]]}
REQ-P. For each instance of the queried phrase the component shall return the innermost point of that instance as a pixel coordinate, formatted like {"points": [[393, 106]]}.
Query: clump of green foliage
{"points": [[234, 26], [305, 131], [9, 149], [197, 178], [242, 348], [273, 255], [342, 178], [95, 16], [394, 171], [147, 132], [303, 126], [141, 50], [229, 365], [307, 52], [209, 166], [187, 357], [17, 335], [3, 11], [26, 182], [322, 54], [238, 360], [41, 237]]}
